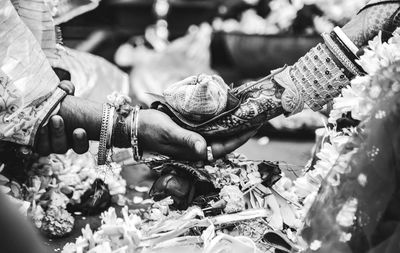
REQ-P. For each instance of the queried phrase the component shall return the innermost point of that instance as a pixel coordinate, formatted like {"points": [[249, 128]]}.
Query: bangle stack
{"points": [[114, 128], [345, 40], [317, 77], [134, 134], [340, 55]]}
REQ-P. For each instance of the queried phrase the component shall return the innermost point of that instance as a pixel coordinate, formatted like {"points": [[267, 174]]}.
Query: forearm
{"points": [[80, 113], [320, 75], [314, 79]]}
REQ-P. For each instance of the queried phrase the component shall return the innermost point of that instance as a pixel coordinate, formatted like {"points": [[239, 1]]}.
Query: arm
{"points": [[157, 132], [314, 79]]}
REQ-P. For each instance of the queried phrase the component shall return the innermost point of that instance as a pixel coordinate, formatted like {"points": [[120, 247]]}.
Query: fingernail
{"points": [[199, 146], [79, 134], [57, 123]]}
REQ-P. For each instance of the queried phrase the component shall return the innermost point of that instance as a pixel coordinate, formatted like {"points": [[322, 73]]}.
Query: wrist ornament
{"points": [[134, 134], [315, 79], [123, 108], [105, 133]]}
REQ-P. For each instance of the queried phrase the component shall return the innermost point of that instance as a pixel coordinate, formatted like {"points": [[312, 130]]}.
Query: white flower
{"points": [[352, 100], [345, 237], [346, 215], [362, 179], [315, 245], [233, 197]]}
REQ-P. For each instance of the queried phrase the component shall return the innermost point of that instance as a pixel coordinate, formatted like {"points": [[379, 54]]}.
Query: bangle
{"points": [[346, 41], [102, 154], [134, 134], [343, 47], [317, 78], [353, 58], [340, 55], [110, 128]]}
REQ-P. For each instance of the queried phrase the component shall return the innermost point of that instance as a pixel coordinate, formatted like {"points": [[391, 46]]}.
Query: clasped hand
{"points": [[157, 133]]}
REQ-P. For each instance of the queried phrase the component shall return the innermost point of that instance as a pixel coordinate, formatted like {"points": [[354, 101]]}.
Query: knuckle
{"points": [[188, 138]]}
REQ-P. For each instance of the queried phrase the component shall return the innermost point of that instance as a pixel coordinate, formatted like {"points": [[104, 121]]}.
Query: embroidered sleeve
{"points": [[28, 85]]}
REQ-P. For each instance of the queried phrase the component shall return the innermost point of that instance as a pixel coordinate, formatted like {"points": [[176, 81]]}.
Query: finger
{"points": [[58, 138], [80, 143], [68, 87], [221, 148], [43, 145], [189, 142]]}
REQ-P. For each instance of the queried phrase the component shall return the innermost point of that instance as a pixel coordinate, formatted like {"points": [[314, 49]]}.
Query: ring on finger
{"points": [[210, 156]]}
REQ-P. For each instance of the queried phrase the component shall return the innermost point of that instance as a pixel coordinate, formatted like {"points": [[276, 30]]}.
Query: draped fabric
{"points": [[28, 51], [28, 85], [361, 214]]}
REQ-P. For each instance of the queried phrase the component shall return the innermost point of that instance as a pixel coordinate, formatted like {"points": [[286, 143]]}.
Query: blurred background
{"points": [[158, 42]]}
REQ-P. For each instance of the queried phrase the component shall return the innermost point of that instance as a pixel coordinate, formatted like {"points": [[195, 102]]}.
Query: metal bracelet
{"points": [[317, 77], [102, 153], [346, 41], [340, 55], [110, 128], [134, 134]]}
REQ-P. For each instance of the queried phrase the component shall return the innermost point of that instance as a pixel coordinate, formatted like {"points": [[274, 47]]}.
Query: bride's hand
{"points": [[158, 133]]}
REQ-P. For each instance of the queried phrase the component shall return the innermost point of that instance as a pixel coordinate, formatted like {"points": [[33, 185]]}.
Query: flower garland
{"points": [[337, 147]]}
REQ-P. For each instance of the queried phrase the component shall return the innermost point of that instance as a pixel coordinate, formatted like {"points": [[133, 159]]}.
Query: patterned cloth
{"points": [[28, 85], [28, 50]]}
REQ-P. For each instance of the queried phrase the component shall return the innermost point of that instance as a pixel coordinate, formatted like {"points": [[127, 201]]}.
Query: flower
{"points": [[315, 245], [233, 197], [346, 215], [362, 179], [57, 222]]}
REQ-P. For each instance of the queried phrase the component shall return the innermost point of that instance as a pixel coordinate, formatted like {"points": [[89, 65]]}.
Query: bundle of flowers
{"points": [[230, 204], [298, 16], [59, 185]]}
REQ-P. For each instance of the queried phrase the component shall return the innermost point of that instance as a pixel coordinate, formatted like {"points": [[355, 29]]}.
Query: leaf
{"points": [[208, 235], [286, 210], [276, 220]]}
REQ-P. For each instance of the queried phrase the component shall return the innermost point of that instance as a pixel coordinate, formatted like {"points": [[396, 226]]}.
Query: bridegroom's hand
{"points": [[53, 138], [159, 133]]}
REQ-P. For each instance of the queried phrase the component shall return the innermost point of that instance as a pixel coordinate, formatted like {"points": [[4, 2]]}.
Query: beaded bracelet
{"points": [[102, 153], [317, 78]]}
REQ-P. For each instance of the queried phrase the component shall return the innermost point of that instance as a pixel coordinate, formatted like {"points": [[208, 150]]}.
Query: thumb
{"points": [[194, 141]]}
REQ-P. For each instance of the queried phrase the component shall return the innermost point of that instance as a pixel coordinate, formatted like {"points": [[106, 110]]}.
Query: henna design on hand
{"points": [[260, 103]]}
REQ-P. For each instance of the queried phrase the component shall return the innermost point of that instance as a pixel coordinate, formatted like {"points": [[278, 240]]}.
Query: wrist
{"points": [[121, 138]]}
